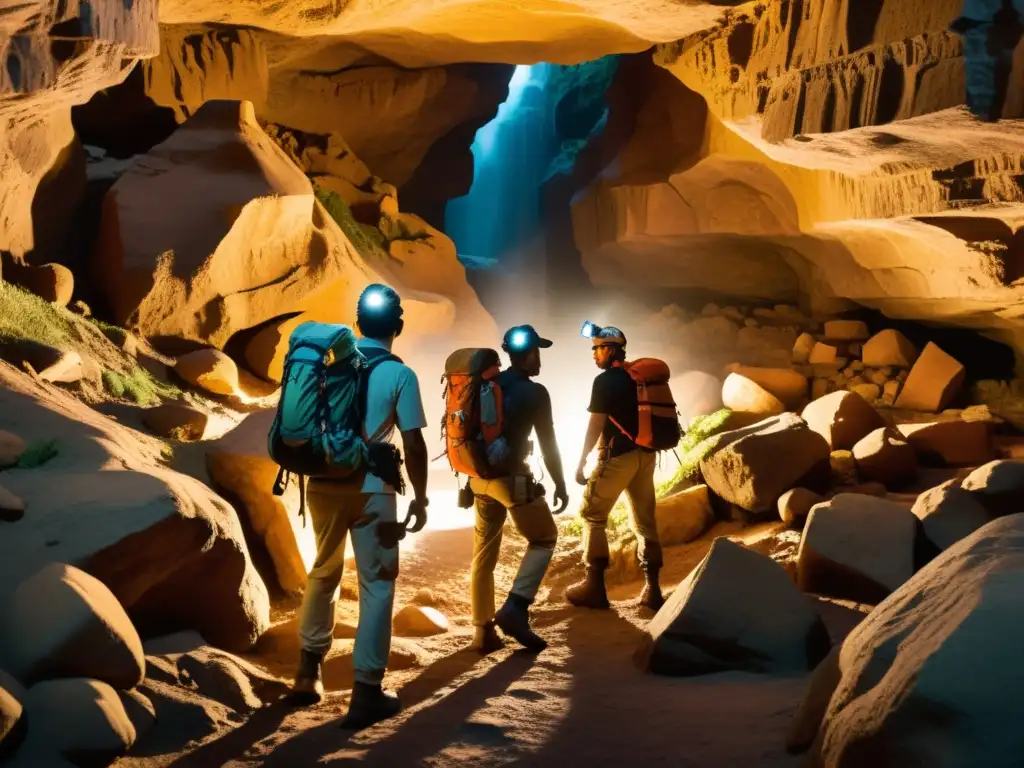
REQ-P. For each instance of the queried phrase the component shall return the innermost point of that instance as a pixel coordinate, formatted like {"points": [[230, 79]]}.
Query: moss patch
{"points": [[366, 239], [697, 443], [38, 453], [138, 386], [24, 315]]}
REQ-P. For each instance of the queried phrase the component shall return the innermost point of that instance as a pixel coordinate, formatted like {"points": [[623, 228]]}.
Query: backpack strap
{"points": [[374, 357]]}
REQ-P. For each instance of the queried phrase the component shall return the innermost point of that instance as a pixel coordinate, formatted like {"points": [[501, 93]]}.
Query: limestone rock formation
{"points": [[953, 443], [949, 513], [65, 623], [108, 505], [75, 719], [753, 466], [857, 547], [419, 621], [57, 55], [842, 418], [962, 605], [736, 610], [256, 245], [883, 456], [684, 516], [241, 469]]}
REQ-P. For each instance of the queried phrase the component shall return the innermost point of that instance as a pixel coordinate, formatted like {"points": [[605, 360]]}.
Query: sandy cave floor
{"points": [[580, 702]]}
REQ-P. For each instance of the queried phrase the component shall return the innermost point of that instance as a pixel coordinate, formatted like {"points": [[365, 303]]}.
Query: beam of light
{"points": [[484, 142], [374, 300]]}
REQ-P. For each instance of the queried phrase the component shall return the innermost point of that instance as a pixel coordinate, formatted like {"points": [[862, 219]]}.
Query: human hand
{"points": [[580, 477], [561, 498], [417, 515]]}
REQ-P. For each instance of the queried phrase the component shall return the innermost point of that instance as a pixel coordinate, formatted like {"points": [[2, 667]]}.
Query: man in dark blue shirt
{"points": [[527, 408], [622, 466]]}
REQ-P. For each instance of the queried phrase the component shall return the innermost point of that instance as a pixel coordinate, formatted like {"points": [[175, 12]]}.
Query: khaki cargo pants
{"points": [[336, 509], [632, 473], [494, 501]]}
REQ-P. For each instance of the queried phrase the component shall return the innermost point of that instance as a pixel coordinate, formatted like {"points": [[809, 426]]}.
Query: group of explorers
{"points": [[341, 400]]}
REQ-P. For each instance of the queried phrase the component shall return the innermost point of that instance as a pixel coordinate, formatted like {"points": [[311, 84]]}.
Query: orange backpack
{"points": [[658, 420], [473, 415]]}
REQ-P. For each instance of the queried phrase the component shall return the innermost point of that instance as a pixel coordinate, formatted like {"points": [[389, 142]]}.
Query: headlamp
{"points": [[589, 330], [374, 300], [519, 339]]}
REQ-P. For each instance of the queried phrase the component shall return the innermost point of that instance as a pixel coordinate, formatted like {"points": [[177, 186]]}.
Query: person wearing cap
{"points": [[367, 508], [527, 408], [622, 466]]}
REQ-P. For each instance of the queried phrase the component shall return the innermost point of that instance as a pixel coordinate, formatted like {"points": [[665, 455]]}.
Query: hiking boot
{"points": [[486, 640], [308, 687], [651, 597], [513, 618], [590, 593], [370, 704]]}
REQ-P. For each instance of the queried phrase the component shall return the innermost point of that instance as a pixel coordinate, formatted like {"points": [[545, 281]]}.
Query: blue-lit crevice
{"points": [[550, 113]]}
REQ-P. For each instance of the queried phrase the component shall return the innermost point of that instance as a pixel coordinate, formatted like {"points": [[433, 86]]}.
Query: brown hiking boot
{"points": [[308, 687], [651, 597], [513, 618], [590, 593], [369, 704], [486, 640]]}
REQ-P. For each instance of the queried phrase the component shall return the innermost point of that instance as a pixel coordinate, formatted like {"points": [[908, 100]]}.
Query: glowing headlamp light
{"points": [[374, 300], [589, 330], [519, 339]]}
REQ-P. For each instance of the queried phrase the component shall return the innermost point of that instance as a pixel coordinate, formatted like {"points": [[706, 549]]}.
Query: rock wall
{"points": [[57, 55], [839, 160]]}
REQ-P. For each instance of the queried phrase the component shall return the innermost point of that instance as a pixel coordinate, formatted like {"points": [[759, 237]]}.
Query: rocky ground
{"points": [[801, 532]]}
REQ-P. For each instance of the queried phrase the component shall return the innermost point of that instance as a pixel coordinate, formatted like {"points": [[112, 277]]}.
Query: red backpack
{"points": [[658, 419], [473, 416]]}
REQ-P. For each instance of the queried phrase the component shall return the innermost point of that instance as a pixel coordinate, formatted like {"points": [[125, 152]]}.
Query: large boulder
{"points": [[934, 381], [738, 609], [842, 418], [787, 385], [254, 246], [65, 623], [888, 348], [684, 516], [76, 719], [884, 456], [906, 696], [12, 725], [741, 395], [753, 466], [949, 513], [171, 551], [796, 504], [856, 547], [241, 469], [998, 486], [953, 443]]}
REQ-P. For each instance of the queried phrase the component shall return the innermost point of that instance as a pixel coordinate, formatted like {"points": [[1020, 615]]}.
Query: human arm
{"points": [[544, 425], [595, 427], [600, 407], [410, 420]]}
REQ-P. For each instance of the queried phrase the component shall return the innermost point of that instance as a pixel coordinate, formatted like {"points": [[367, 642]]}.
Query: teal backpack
{"points": [[318, 429]]}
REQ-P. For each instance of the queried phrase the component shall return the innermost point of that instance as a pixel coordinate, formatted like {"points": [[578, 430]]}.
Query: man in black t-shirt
{"points": [[527, 408], [622, 466]]}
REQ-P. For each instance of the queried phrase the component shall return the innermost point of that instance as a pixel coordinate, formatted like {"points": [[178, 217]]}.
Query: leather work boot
{"points": [[590, 593], [513, 618], [370, 704], [486, 640], [308, 687], [651, 597]]}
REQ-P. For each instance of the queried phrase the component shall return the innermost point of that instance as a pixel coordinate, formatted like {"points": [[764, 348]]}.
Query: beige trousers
{"points": [[633, 473], [336, 509], [534, 520]]}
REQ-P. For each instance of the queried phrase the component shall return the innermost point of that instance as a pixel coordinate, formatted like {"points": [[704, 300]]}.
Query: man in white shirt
{"points": [[366, 507]]}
